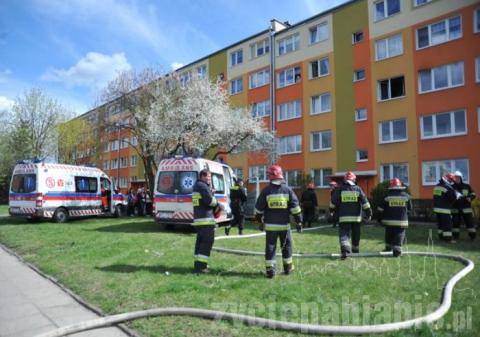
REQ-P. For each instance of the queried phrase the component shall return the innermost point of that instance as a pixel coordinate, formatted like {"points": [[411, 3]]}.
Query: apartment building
{"points": [[380, 87]]}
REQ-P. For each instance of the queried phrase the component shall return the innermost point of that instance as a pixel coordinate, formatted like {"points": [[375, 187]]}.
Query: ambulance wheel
{"points": [[118, 211], [60, 215]]}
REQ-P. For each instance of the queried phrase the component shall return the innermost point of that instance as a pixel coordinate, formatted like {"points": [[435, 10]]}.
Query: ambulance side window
{"points": [[86, 184], [218, 183]]}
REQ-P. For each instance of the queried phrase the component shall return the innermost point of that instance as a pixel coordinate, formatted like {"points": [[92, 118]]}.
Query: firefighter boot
{"points": [[240, 231], [397, 251], [345, 251], [227, 230], [288, 268], [270, 273]]}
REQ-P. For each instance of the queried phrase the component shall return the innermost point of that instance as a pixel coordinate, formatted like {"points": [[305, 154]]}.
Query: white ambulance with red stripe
{"points": [[174, 184], [54, 191]]}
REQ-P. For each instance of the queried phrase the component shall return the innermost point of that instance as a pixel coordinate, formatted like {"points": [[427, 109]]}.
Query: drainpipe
{"points": [[273, 77]]}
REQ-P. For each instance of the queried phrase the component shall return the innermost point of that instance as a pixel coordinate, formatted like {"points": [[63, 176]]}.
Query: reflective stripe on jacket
{"points": [[348, 202], [203, 204], [443, 197], [395, 207]]}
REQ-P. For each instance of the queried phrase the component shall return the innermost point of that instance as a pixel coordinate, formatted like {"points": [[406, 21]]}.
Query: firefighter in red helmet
{"points": [[309, 202], [274, 206], [394, 216], [444, 196], [347, 202]]}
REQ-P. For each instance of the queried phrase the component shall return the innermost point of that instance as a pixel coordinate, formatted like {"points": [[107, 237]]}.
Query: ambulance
{"points": [[174, 185], [54, 191]]}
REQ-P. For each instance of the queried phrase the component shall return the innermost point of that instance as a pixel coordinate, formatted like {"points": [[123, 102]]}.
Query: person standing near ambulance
{"points": [[238, 198], [204, 204], [275, 204]]}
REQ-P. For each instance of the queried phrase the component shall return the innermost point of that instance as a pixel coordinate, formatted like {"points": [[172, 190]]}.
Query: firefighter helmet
{"points": [[311, 185], [450, 177], [350, 176], [458, 174], [333, 184], [395, 183], [275, 172]]}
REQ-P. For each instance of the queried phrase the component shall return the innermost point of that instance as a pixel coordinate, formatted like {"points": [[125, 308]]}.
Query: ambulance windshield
{"points": [[24, 183]]}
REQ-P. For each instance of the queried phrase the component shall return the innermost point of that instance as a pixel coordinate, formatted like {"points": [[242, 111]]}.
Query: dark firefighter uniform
{"points": [[309, 202], [444, 196], [462, 208], [276, 202], [394, 216], [347, 202], [238, 198], [204, 203]]}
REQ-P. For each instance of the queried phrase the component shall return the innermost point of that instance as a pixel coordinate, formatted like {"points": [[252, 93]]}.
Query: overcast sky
{"points": [[71, 48]]}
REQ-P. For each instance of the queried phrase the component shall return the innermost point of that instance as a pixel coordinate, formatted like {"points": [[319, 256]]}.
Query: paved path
{"points": [[31, 304]]}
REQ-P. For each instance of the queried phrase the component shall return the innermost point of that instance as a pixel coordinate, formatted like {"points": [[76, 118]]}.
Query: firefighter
{"points": [[444, 196], [463, 208], [308, 200], [275, 204], [347, 202], [393, 214], [238, 198], [332, 216], [204, 206]]}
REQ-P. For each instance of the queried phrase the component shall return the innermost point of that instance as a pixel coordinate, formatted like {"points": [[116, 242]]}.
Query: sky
{"points": [[72, 48]]}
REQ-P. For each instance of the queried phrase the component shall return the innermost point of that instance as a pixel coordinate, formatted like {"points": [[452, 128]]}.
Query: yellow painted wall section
{"points": [[402, 152]]}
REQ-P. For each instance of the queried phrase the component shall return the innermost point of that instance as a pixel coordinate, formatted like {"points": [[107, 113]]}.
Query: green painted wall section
{"points": [[345, 22], [217, 64]]}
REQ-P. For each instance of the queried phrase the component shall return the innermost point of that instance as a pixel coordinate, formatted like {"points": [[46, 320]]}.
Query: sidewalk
{"points": [[31, 304]]}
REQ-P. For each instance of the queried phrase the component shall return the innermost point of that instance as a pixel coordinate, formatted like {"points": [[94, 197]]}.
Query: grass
{"points": [[128, 264]]}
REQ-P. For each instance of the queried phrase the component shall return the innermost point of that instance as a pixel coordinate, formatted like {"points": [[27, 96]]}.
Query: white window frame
{"points": [[114, 164], [133, 161], [124, 143], [447, 32], [133, 179], [322, 175], [357, 156], [315, 30], [449, 78], [391, 133], [296, 174], [355, 75], [385, 6], [106, 165], [293, 40], [355, 34], [123, 162], [134, 141], [283, 142], [123, 182], [320, 103], [236, 57], [106, 147], [379, 89], [438, 173], [202, 71], [321, 148], [234, 86], [387, 42], [259, 79], [452, 125], [263, 44], [476, 20], [357, 119], [477, 69], [416, 4], [296, 105], [254, 170], [319, 67], [297, 72], [391, 167], [263, 106]]}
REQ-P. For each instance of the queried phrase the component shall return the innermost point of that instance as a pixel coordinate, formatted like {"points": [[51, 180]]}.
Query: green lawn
{"points": [[128, 264]]}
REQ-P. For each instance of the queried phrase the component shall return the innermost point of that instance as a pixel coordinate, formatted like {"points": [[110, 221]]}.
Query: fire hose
{"points": [[437, 314]]}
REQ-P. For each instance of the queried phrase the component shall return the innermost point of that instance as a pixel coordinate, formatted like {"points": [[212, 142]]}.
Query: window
{"points": [[443, 77], [86, 184], [432, 171], [477, 69], [123, 162], [444, 124], [114, 145], [357, 37], [288, 77], [238, 172], [360, 114], [476, 21], [321, 140], [133, 178], [289, 110], [106, 165], [236, 86], [417, 3], [182, 181], [134, 141], [321, 177], [358, 75], [261, 109], [106, 147], [236, 57], [319, 33], [258, 79], [260, 48], [288, 44], [391, 88], [389, 171], [202, 71], [124, 143], [114, 163], [320, 104], [290, 144], [292, 178], [386, 8], [439, 32], [319, 68], [389, 47], [259, 172], [123, 182], [362, 155], [185, 78], [133, 161], [392, 131], [24, 183]]}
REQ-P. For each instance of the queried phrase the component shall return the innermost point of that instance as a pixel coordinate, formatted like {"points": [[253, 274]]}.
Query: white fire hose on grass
{"points": [[445, 304]]}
